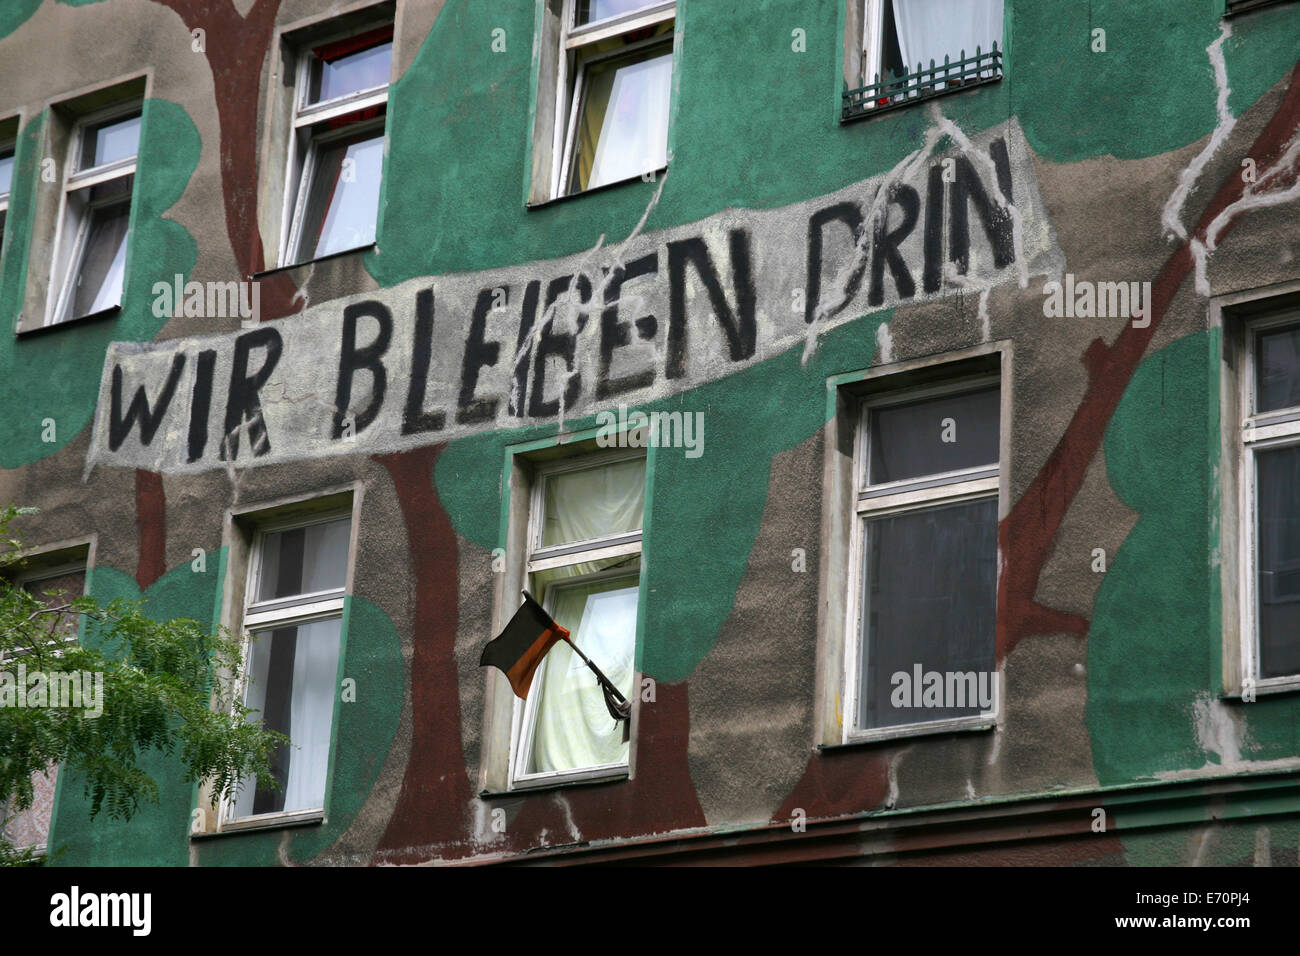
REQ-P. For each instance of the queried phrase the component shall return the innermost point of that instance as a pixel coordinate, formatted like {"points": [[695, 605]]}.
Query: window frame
{"points": [[569, 96], [309, 129], [902, 497], [304, 608], [8, 150], [538, 558], [70, 251], [1258, 431]]}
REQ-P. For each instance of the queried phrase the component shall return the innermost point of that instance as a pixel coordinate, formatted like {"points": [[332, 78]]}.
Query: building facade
{"points": [[898, 400]]}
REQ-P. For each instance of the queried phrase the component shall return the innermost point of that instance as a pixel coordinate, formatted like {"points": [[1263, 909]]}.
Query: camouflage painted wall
{"points": [[1122, 161]]}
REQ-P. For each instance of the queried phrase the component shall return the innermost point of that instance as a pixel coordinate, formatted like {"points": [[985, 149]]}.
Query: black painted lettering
{"points": [[200, 405], [352, 358], [414, 418], [615, 333], [848, 214], [739, 325], [995, 218], [242, 402], [563, 345], [119, 427], [479, 354], [885, 243]]}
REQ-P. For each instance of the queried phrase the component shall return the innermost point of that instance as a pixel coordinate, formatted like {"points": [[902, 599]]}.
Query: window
{"points": [[923, 561], [293, 615], [613, 85], [1243, 6], [914, 49], [1270, 520], [584, 565], [337, 157], [90, 264], [55, 578], [6, 183]]}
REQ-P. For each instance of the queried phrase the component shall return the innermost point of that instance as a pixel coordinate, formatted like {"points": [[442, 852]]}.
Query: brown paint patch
{"points": [[432, 808], [1027, 534], [151, 522], [237, 48], [838, 783], [659, 799]]}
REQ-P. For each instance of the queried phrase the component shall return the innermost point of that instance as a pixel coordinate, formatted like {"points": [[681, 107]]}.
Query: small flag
{"points": [[521, 646]]}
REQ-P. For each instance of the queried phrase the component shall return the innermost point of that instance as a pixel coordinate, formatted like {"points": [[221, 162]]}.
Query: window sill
{"points": [[310, 263], [604, 187], [981, 722], [1238, 7], [1266, 686], [269, 821], [547, 786], [102, 315], [901, 101]]}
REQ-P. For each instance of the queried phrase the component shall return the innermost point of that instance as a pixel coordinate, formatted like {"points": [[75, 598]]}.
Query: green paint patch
{"points": [[707, 510], [1078, 104], [14, 13], [63, 365], [1155, 643], [156, 835]]}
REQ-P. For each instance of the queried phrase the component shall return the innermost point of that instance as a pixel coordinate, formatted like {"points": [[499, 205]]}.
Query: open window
{"points": [[293, 602], [584, 565], [914, 49], [336, 154], [605, 88], [89, 273]]}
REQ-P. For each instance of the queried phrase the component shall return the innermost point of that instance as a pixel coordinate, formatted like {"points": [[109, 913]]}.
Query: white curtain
{"points": [[315, 670], [573, 727], [311, 711], [325, 556], [594, 502], [634, 130], [932, 29]]}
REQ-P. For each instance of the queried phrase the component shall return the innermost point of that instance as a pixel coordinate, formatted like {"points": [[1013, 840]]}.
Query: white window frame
{"points": [[308, 132], [873, 40], [898, 497], [573, 61], [8, 148], [1279, 428], [70, 237], [285, 612], [523, 716]]}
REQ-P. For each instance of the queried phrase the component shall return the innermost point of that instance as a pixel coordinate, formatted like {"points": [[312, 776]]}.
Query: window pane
{"points": [[305, 560], [573, 728], [1278, 495], [31, 827], [1277, 369], [623, 119], [932, 29], [933, 436], [293, 671], [589, 11], [343, 200], [62, 589], [6, 173], [109, 142], [929, 599], [363, 70], [102, 269], [594, 502]]}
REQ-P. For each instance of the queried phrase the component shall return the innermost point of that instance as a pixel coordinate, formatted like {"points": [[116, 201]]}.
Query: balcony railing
{"points": [[923, 84]]}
